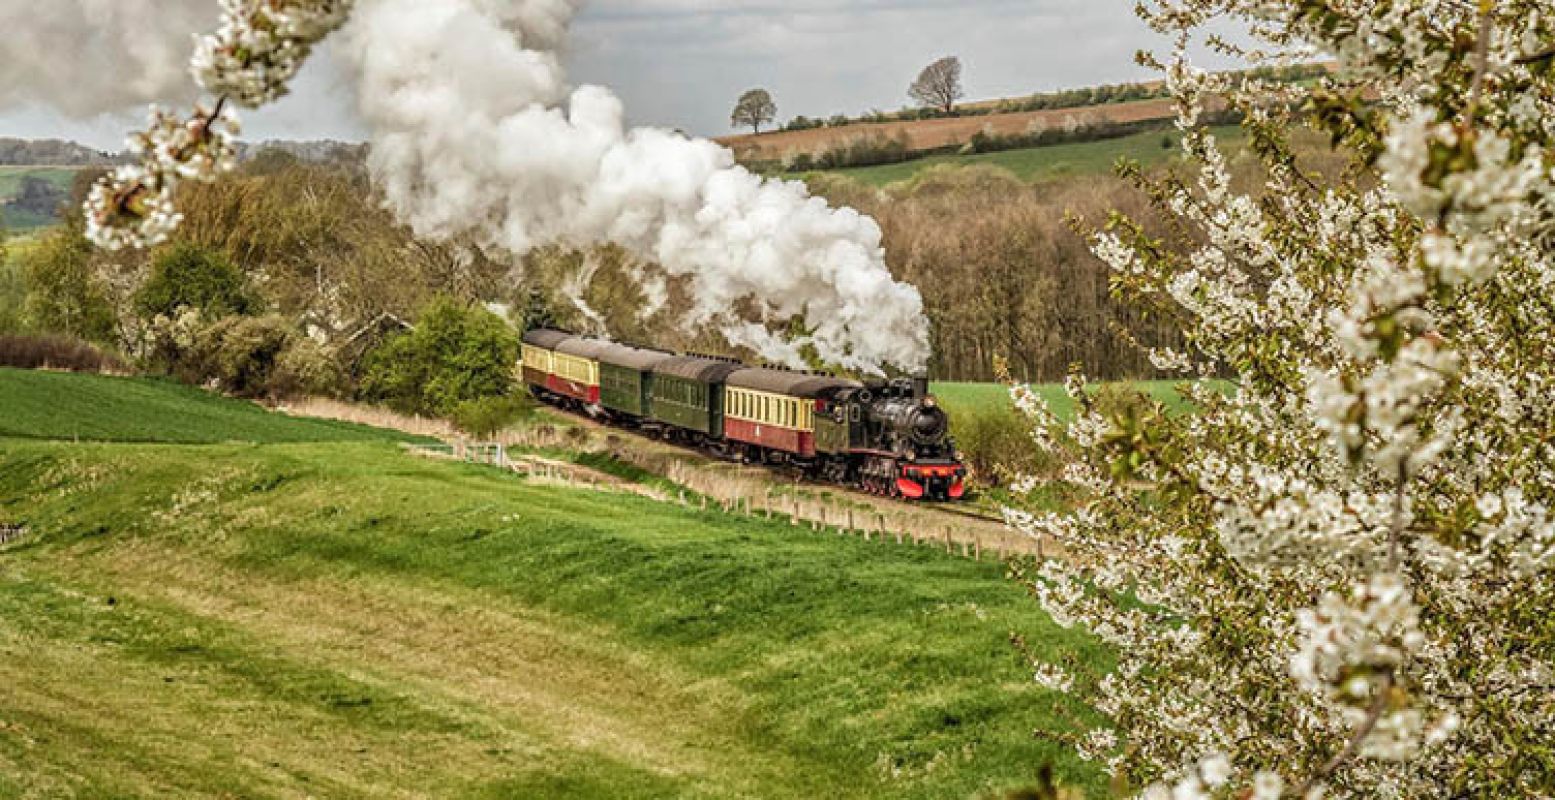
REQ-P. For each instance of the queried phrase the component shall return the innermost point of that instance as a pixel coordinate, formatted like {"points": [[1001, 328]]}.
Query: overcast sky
{"points": [[682, 63]]}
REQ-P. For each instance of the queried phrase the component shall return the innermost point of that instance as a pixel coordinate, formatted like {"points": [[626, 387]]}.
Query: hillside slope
{"points": [[342, 620], [53, 405]]}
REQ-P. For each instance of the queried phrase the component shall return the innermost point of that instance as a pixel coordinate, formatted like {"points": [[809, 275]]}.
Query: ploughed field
{"points": [[255, 606], [928, 134]]}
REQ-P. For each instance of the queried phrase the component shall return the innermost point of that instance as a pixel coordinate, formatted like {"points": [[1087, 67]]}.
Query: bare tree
{"points": [[939, 85], [754, 109]]}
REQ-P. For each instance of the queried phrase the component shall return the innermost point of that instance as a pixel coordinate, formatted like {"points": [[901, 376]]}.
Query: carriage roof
{"points": [[790, 384], [546, 338], [633, 358], [696, 368]]}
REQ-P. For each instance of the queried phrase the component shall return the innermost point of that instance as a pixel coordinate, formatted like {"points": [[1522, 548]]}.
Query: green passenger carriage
{"points": [[688, 393], [626, 379]]}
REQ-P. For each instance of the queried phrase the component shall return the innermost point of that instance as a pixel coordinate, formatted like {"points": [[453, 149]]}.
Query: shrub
{"points": [[240, 353], [261, 357], [488, 416], [13, 295], [456, 353], [190, 276], [863, 151], [306, 369], [55, 351], [996, 444]]}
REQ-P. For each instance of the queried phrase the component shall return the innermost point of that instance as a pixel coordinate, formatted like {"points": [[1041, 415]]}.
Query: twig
{"points": [[1373, 716]]}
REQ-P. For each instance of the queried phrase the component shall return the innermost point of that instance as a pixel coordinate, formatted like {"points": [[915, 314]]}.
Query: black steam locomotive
{"points": [[889, 438]]}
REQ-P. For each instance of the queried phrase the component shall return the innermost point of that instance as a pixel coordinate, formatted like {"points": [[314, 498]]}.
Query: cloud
{"points": [[680, 62], [85, 58], [676, 63]]}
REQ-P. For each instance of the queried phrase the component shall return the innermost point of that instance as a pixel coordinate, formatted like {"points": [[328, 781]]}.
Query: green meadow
{"points": [[211, 601], [1054, 162]]}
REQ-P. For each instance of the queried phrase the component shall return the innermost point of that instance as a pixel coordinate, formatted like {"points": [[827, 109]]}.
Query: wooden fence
{"points": [[11, 533]]}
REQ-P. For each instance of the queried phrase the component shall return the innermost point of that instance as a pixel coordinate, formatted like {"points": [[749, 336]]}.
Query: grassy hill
{"points": [[1055, 161], [52, 405], [971, 398], [341, 620], [16, 219]]}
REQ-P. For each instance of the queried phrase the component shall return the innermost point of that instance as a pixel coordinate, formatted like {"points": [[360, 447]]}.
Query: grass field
{"points": [[1052, 162], [52, 405], [10, 185], [340, 620], [972, 398]]}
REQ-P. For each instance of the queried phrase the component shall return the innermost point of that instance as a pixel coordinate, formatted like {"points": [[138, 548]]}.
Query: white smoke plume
{"points": [[477, 135], [576, 285], [84, 58]]}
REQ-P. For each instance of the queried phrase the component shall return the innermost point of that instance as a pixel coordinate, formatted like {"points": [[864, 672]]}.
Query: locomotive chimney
{"points": [[920, 387]]}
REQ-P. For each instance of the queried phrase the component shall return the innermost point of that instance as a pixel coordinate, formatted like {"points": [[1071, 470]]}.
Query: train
{"points": [[888, 438]]}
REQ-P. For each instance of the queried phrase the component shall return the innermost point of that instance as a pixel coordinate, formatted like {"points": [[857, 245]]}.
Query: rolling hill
{"points": [[338, 619], [1054, 162], [62, 406], [25, 208]]}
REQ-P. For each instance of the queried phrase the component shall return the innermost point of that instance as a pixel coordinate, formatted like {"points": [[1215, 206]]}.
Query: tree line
{"points": [[289, 277]]}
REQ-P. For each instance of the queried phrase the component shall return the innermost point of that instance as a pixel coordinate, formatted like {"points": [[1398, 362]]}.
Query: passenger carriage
{"points": [[626, 379], [688, 394], [776, 410], [576, 374], [539, 357]]}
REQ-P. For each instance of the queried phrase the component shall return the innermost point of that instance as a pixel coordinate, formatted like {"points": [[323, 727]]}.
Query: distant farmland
{"points": [[933, 134], [1053, 162], [23, 219]]}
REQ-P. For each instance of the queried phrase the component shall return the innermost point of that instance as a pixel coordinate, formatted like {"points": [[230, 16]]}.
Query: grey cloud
{"points": [[681, 63]]}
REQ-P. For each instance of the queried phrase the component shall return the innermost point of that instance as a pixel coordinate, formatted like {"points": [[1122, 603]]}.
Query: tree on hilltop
{"points": [[939, 85], [754, 109]]}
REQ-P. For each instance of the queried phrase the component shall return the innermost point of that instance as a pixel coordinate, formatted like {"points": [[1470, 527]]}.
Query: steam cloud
{"points": [[477, 136], [91, 57]]}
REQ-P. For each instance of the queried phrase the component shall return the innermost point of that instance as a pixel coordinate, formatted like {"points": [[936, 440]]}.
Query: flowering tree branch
{"points": [[1335, 576], [249, 61]]}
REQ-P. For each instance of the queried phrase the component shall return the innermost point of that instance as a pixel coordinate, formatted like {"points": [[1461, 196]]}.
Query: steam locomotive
{"points": [[889, 438]]}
